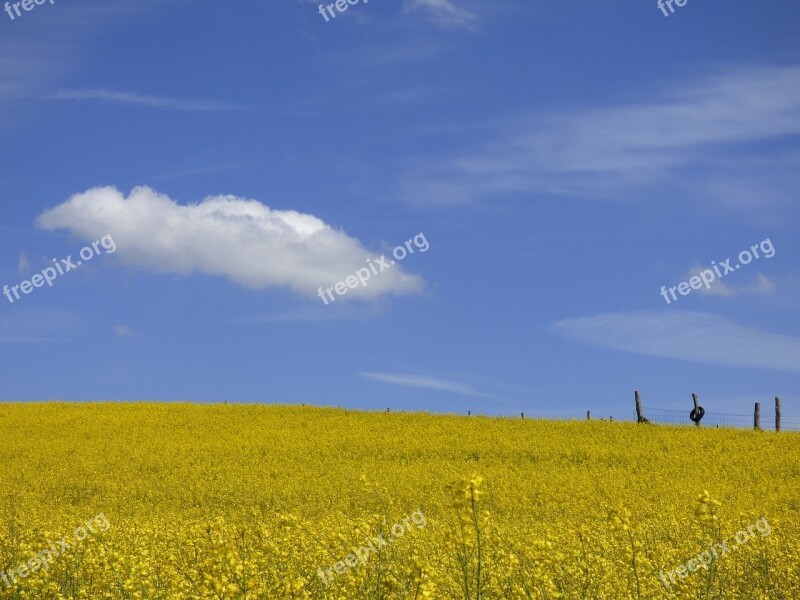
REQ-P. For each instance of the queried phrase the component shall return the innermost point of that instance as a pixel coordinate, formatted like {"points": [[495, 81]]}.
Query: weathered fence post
{"points": [[696, 408], [638, 406], [588, 415], [757, 416], [640, 418], [522, 414], [777, 413]]}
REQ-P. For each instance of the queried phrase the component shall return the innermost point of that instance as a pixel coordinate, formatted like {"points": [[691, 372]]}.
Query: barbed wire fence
{"points": [[663, 416], [699, 416]]}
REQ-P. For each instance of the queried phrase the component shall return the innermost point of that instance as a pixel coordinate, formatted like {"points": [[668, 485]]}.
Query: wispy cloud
{"points": [[207, 169], [428, 383], [312, 314], [24, 324], [604, 151], [443, 12], [130, 98], [23, 264], [683, 335], [48, 48], [124, 331], [761, 286], [22, 77]]}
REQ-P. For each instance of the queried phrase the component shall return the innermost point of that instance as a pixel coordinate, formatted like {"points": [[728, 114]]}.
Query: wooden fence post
{"points": [[588, 415], [638, 406], [757, 416], [522, 414], [640, 418], [777, 413], [696, 407]]}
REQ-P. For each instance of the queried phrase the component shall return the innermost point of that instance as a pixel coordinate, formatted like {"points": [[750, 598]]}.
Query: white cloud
{"points": [[429, 383], [102, 95], [693, 336], [443, 12], [609, 150], [240, 239]]}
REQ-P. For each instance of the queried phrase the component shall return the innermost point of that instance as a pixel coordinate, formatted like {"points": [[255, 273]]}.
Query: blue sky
{"points": [[562, 161]]}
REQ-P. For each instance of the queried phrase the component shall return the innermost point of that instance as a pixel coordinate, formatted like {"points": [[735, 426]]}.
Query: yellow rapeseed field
{"points": [[228, 501]]}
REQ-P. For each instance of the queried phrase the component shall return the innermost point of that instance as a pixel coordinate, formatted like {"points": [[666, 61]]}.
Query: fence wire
{"points": [[714, 419]]}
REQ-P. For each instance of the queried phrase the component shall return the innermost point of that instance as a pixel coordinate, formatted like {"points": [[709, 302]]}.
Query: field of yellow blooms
{"points": [[232, 501]]}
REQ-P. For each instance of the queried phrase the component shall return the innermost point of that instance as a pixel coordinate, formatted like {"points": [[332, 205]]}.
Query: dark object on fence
{"points": [[522, 415], [743, 420], [777, 414], [698, 412], [639, 416], [757, 417], [469, 413], [588, 415]]}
